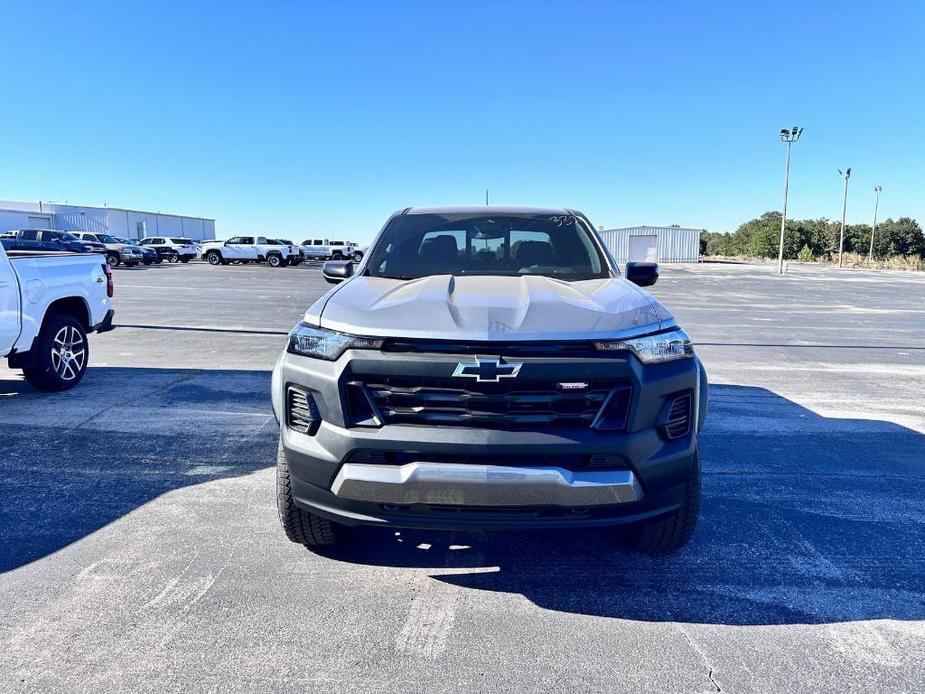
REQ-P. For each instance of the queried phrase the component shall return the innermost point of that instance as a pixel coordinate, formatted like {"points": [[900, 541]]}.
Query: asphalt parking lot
{"points": [[140, 549]]}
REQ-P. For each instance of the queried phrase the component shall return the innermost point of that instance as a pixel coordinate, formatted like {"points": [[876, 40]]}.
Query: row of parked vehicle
{"points": [[158, 249], [277, 252], [118, 251]]}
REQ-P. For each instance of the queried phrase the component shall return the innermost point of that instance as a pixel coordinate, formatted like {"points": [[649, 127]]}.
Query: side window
{"points": [[28, 235], [262, 240], [247, 241], [234, 241], [317, 242]]}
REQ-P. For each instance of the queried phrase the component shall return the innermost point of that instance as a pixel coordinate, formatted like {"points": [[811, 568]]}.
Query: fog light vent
{"points": [[677, 420], [302, 412]]}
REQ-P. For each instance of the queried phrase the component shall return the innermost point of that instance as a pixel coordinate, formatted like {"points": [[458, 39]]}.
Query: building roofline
{"points": [[95, 207]]}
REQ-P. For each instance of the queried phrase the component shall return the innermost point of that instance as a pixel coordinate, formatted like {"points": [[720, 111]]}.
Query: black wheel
{"points": [[338, 256], [112, 259], [300, 526], [667, 534], [274, 261], [357, 257], [174, 258], [62, 356], [214, 258]]}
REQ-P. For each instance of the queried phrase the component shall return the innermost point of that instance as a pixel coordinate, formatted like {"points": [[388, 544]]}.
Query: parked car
{"points": [[285, 242], [328, 250], [248, 249], [175, 249], [117, 253], [48, 304], [44, 240], [149, 256], [489, 368]]}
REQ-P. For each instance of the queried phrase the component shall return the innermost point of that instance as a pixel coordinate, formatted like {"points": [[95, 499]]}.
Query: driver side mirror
{"points": [[643, 274], [335, 271]]}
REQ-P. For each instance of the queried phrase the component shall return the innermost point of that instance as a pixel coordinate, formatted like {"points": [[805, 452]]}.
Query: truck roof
{"points": [[483, 209]]}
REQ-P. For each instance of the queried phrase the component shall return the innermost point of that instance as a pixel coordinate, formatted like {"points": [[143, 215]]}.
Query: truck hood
{"points": [[482, 308]]}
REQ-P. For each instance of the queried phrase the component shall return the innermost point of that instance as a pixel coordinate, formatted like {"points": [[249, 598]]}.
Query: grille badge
{"points": [[577, 385], [487, 370]]}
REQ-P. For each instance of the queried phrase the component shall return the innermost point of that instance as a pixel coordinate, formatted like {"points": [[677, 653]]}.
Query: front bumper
{"points": [[510, 478]]}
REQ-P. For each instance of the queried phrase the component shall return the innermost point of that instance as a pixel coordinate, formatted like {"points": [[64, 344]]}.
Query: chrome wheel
{"points": [[68, 353]]}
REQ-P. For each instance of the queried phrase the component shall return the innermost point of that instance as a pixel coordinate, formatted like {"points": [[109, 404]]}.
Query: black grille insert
{"points": [[676, 421], [302, 412], [502, 405]]}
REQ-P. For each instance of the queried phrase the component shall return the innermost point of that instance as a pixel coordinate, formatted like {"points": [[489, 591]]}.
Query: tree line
{"points": [[814, 238]]}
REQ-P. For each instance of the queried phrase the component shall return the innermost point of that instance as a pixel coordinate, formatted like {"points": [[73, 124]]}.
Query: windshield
{"points": [[511, 245], [106, 238], [182, 242]]}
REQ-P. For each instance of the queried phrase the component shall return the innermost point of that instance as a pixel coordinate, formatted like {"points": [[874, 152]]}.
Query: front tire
{"points": [[300, 526], [274, 261], [112, 259], [174, 258], [357, 257], [667, 534], [213, 258], [62, 357]]}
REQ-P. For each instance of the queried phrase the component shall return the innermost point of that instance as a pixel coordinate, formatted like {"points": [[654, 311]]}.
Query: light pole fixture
{"points": [[844, 208], [788, 136], [870, 256]]}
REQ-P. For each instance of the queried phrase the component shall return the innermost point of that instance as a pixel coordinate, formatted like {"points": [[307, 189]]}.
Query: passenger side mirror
{"points": [[335, 271], [643, 274]]}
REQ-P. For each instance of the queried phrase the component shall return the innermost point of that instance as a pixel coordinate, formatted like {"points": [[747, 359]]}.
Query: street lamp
{"points": [[788, 136], [870, 256], [844, 209]]}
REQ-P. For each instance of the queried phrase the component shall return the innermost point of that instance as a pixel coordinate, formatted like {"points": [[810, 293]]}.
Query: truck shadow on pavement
{"points": [[805, 520], [72, 462]]}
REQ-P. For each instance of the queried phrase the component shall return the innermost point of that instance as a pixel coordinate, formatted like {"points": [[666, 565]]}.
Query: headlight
{"points": [[653, 349], [310, 341]]}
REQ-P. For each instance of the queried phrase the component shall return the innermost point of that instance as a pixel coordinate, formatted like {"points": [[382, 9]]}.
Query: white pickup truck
{"points": [[48, 304], [249, 249]]}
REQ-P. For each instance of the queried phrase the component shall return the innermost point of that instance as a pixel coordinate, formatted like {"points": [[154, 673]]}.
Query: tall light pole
{"points": [[844, 209], [870, 256], [788, 136]]}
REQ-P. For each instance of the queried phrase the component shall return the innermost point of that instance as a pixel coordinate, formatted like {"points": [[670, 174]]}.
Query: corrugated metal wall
{"points": [[124, 223], [674, 244], [12, 219]]}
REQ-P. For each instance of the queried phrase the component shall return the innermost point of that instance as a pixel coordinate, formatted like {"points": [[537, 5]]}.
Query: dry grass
{"points": [[852, 260]]}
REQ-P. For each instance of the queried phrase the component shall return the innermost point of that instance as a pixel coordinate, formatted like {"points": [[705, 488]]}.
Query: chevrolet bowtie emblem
{"points": [[485, 370]]}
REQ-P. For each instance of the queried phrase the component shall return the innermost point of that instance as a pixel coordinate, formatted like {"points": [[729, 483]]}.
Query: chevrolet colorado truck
{"points": [[489, 367], [48, 304]]}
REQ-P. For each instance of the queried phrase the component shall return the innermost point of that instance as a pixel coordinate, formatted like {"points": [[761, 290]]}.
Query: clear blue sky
{"points": [[325, 117]]}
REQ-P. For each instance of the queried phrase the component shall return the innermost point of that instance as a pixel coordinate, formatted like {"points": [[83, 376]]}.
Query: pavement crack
{"points": [[703, 656]]}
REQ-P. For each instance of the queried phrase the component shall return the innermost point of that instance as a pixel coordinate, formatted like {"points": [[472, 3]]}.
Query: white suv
{"points": [[172, 248], [249, 249]]}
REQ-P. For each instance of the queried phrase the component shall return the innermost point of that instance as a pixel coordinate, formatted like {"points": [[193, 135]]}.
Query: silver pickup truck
{"points": [[489, 368], [48, 304]]}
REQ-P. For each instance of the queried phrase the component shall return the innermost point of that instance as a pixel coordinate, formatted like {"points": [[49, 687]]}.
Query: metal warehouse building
{"points": [[657, 244], [132, 224]]}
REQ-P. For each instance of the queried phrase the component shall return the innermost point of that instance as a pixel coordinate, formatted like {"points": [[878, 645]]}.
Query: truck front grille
{"points": [[524, 405]]}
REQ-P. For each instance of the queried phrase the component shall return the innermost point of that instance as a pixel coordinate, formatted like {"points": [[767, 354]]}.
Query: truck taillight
{"points": [[109, 285]]}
